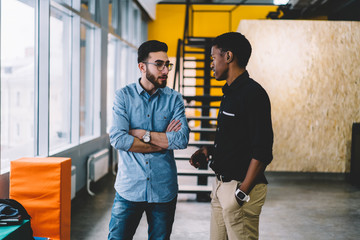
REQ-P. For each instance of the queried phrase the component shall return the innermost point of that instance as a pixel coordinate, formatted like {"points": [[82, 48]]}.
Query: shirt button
{"points": [[148, 115], [215, 145], [148, 179], [218, 129], [147, 162]]}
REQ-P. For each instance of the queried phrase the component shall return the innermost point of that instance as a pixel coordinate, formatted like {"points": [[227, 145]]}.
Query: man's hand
{"points": [[138, 133], [200, 157], [239, 201], [174, 126]]}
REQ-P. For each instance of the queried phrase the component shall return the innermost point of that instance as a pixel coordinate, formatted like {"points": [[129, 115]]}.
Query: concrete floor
{"points": [[298, 207]]}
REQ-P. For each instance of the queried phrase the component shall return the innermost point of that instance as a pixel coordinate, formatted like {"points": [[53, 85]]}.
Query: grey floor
{"points": [[298, 207]]}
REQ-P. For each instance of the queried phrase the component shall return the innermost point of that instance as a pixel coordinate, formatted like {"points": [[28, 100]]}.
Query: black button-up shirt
{"points": [[244, 129]]}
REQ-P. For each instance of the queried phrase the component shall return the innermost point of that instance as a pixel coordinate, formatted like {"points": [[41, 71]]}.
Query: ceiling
{"points": [[296, 9]]}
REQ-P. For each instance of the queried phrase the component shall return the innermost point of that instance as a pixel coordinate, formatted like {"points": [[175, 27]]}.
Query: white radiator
{"points": [[97, 167]]}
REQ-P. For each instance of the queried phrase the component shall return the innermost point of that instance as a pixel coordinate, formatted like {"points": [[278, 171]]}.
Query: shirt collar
{"points": [[238, 82], [140, 89]]}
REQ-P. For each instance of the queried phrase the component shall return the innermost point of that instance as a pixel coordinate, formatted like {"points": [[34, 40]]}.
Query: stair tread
{"points": [[195, 68], [211, 86], [193, 77], [182, 157], [201, 118], [202, 106], [194, 52], [203, 129], [195, 172], [201, 143], [193, 60], [194, 188], [203, 98]]}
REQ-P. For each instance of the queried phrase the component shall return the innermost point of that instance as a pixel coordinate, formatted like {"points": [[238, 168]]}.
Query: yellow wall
{"points": [[169, 23]]}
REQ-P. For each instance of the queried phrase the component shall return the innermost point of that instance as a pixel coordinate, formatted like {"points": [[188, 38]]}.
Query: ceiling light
{"points": [[281, 2]]}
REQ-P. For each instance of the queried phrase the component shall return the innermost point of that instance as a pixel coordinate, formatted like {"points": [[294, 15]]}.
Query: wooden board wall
{"points": [[311, 71]]}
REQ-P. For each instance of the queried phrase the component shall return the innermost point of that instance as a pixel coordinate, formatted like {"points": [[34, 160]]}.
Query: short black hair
{"points": [[236, 43], [150, 46]]}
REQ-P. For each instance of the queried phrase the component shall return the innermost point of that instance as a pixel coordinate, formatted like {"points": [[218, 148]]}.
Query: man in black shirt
{"points": [[243, 143]]}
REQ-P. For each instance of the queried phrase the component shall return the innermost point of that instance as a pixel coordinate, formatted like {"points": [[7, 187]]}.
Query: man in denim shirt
{"points": [[149, 123]]}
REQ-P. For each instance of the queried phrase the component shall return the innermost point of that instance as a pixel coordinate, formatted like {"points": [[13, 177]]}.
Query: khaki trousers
{"points": [[231, 221]]}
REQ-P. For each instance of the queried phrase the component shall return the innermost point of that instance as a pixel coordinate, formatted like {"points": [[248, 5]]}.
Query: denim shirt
{"points": [[150, 177]]}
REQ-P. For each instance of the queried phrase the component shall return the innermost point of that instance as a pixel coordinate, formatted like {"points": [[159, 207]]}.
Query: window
{"points": [[124, 18], [111, 72], [17, 80], [60, 80], [89, 100]]}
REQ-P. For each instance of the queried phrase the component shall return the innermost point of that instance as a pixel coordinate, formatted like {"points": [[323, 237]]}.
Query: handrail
{"points": [[177, 65], [186, 25]]}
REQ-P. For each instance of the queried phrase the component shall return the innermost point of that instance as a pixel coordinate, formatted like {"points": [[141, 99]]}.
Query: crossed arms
{"points": [[122, 137], [158, 140]]}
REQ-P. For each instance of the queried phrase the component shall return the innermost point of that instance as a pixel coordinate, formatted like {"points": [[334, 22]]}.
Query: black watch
{"points": [[242, 196]]}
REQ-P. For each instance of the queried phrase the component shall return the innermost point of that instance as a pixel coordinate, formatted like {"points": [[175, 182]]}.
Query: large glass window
{"points": [[124, 18], [17, 80], [87, 81], [111, 72], [60, 80]]}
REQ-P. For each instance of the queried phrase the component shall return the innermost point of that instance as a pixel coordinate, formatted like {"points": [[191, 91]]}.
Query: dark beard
{"points": [[152, 79]]}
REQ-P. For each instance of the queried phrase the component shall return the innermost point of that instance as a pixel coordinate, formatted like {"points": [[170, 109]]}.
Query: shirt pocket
{"points": [[229, 121], [162, 120]]}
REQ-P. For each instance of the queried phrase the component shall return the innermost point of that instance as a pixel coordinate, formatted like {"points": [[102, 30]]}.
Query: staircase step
{"points": [[202, 77], [202, 107], [195, 172], [194, 52], [182, 157], [193, 60], [201, 143], [202, 86], [195, 189], [203, 130], [201, 118], [195, 68], [202, 98]]}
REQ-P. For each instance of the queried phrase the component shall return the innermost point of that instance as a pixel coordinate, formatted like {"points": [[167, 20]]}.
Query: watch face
{"points": [[240, 195], [146, 139]]}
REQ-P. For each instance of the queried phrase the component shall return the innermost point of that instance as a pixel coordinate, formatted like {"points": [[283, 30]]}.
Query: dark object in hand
{"points": [[199, 159]]}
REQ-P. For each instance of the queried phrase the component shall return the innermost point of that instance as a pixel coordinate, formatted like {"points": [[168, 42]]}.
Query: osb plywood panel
{"points": [[311, 71]]}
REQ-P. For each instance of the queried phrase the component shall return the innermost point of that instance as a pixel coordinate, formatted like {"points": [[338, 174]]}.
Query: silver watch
{"points": [[242, 196], [146, 137]]}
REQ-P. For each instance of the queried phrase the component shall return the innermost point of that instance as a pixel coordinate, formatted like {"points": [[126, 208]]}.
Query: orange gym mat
{"points": [[43, 187]]}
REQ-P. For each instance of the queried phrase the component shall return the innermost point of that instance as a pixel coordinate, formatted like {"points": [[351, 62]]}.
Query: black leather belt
{"points": [[223, 178]]}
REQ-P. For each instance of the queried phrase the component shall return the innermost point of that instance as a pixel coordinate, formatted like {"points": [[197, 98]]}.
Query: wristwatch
{"points": [[242, 196], [146, 137]]}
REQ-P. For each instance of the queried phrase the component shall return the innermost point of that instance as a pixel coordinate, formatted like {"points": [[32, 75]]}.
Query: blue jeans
{"points": [[126, 216]]}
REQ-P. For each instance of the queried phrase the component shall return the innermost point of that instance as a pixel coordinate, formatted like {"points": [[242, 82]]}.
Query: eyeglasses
{"points": [[161, 65]]}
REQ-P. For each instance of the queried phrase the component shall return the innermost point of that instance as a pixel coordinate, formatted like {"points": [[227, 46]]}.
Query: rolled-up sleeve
{"points": [[180, 139], [119, 137]]}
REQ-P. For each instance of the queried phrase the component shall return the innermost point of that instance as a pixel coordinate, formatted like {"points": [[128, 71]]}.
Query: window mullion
{"points": [[75, 83], [42, 21]]}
